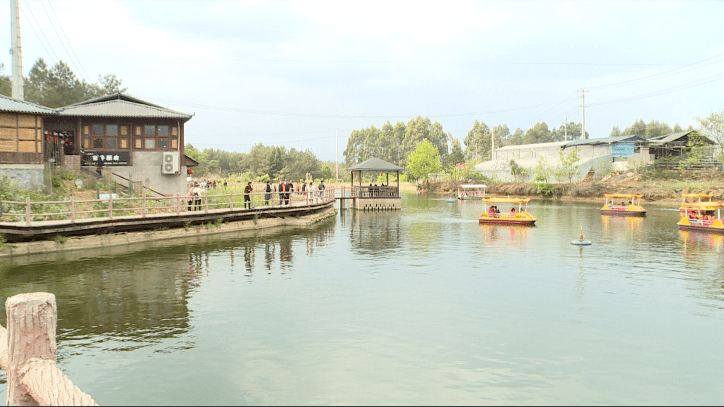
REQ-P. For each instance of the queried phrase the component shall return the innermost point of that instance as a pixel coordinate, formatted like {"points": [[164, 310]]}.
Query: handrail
{"points": [[73, 210], [141, 184], [28, 355]]}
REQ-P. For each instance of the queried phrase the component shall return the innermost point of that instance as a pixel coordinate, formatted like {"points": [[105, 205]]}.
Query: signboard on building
{"points": [[622, 150], [109, 158]]}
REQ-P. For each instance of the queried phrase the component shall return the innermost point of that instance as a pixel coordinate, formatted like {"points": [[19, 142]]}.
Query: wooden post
{"points": [[143, 203], [31, 334], [72, 209], [178, 204], [110, 206], [27, 210], [231, 201]]}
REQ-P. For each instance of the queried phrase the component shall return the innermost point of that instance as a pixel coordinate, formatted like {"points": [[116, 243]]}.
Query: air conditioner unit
{"points": [[170, 163]]}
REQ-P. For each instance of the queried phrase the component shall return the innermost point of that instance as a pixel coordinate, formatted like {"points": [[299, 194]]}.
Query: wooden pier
{"points": [[27, 221]]}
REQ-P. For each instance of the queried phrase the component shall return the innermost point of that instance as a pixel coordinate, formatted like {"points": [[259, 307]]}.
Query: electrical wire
{"points": [[66, 40], [50, 53]]}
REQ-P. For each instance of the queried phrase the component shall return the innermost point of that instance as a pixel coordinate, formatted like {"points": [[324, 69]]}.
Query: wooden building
{"points": [[22, 142], [134, 141]]}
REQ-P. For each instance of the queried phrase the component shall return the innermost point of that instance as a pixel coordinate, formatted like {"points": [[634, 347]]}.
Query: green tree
{"points": [[539, 133], [6, 83], [569, 164], [425, 160], [713, 126], [517, 138], [478, 143], [517, 171], [542, 171], [615, 132]]}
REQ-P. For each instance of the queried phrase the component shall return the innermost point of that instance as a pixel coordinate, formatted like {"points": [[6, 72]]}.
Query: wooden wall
{"points": [[21, 138]]}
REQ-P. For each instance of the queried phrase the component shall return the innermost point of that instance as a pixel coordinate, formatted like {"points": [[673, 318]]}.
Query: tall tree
{"points": [[478, 143], [6, 83], [538, 134], [713, 127], [425, 160]]}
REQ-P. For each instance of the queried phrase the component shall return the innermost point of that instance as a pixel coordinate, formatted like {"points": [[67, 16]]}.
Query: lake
{"points": [[421, 306]]}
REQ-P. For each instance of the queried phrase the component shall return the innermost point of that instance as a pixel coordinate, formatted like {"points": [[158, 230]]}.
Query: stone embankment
{"points": [[120, 243]]}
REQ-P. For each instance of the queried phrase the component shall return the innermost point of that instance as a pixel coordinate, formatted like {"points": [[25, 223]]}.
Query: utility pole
{"points": [[336, 156], [492, 142], [583, 110], [565, 130], [16, 51]]}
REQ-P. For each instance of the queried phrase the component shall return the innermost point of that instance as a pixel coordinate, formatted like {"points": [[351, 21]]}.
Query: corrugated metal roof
{"points": [[375, 164], [8, 104], [605, 140], [534, 145], [121, 108]]}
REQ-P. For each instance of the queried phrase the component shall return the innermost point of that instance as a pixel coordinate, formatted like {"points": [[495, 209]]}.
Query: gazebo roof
{"points": [[375, 164]]}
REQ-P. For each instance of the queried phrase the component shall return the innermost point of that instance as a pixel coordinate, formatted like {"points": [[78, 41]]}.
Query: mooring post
{"points": [[31, 320], [27, 210]]}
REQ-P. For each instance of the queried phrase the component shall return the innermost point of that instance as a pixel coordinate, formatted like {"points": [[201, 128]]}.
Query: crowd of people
{"points": [[285, 189]]}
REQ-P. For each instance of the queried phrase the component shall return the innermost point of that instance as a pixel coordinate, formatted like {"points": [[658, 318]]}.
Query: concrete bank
{"points": [[73, 248]]}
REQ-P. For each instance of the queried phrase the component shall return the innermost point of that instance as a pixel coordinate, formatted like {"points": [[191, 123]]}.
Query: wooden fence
{"points": [[28, 355], [110, 205]]}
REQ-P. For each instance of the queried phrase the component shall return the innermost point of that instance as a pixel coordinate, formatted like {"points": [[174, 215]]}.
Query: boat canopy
{"points": [[473, 186], [697, 195], [702, 206], [616, 195], [506, 200]]}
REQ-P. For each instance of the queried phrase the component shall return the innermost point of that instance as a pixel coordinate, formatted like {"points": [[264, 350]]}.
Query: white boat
{"points": [[471, 191]]}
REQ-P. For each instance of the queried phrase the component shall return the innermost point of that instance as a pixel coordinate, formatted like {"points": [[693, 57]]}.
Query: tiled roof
{"points": [[375, 164], [119, 105], [8, 104]]}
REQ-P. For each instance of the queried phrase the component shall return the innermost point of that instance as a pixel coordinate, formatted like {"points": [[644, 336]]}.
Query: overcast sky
{"points": [[291, 73]]}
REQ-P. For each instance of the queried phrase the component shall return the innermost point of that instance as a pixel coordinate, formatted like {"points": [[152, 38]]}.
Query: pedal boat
{"points": [[632, 208], [701, 216], [471, 191], [520, 217]]}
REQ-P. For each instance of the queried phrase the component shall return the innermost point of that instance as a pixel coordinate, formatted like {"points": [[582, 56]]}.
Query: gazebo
{"points": [[373, 196]]}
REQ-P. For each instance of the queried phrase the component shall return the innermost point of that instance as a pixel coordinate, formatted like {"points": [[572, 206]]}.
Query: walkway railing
{"points": [[110, 205], [28, 355]]}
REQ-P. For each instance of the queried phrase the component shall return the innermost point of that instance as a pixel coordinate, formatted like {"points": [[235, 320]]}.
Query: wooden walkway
{"points": [[21, 231]]}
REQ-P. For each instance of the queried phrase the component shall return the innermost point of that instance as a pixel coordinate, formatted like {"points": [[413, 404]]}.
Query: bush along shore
{"points": [[656, 186]]}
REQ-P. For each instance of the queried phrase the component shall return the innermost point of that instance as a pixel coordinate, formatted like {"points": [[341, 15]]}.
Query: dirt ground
{"points": [[660, 187]]}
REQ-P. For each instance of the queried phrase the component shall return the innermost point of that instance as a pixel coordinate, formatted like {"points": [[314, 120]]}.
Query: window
{"points": [[105, 136], [156, 137]]}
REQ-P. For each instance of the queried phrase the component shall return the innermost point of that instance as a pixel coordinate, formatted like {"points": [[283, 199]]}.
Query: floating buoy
{"points": [[451, 200], [580, 241]]}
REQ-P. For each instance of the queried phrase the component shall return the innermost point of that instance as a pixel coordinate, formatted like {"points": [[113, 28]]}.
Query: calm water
{"points": [[422, 306]]}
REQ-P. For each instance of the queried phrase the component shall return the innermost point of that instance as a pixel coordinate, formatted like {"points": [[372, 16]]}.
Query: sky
{"points": [[305, 74]]}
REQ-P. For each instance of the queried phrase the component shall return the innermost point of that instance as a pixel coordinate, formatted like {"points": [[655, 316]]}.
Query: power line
{"points": [[66, 39], [50, 53], [671, 71]]}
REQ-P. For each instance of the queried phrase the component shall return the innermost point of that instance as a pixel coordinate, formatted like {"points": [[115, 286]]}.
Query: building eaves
{"points": [[8, 104], [375, 164], [121, 108]]}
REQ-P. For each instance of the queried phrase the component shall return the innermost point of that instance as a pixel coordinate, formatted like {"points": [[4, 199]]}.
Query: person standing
{"points": [[267, 194], [247, 195], [312, 193], [282, 187], [290, 188], [196, 192], [321, 188]]}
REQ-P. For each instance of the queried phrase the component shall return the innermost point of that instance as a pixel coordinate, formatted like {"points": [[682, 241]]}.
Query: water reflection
{"points": [[374, 232], [632, 225], [517, 235], [694, 241]]}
